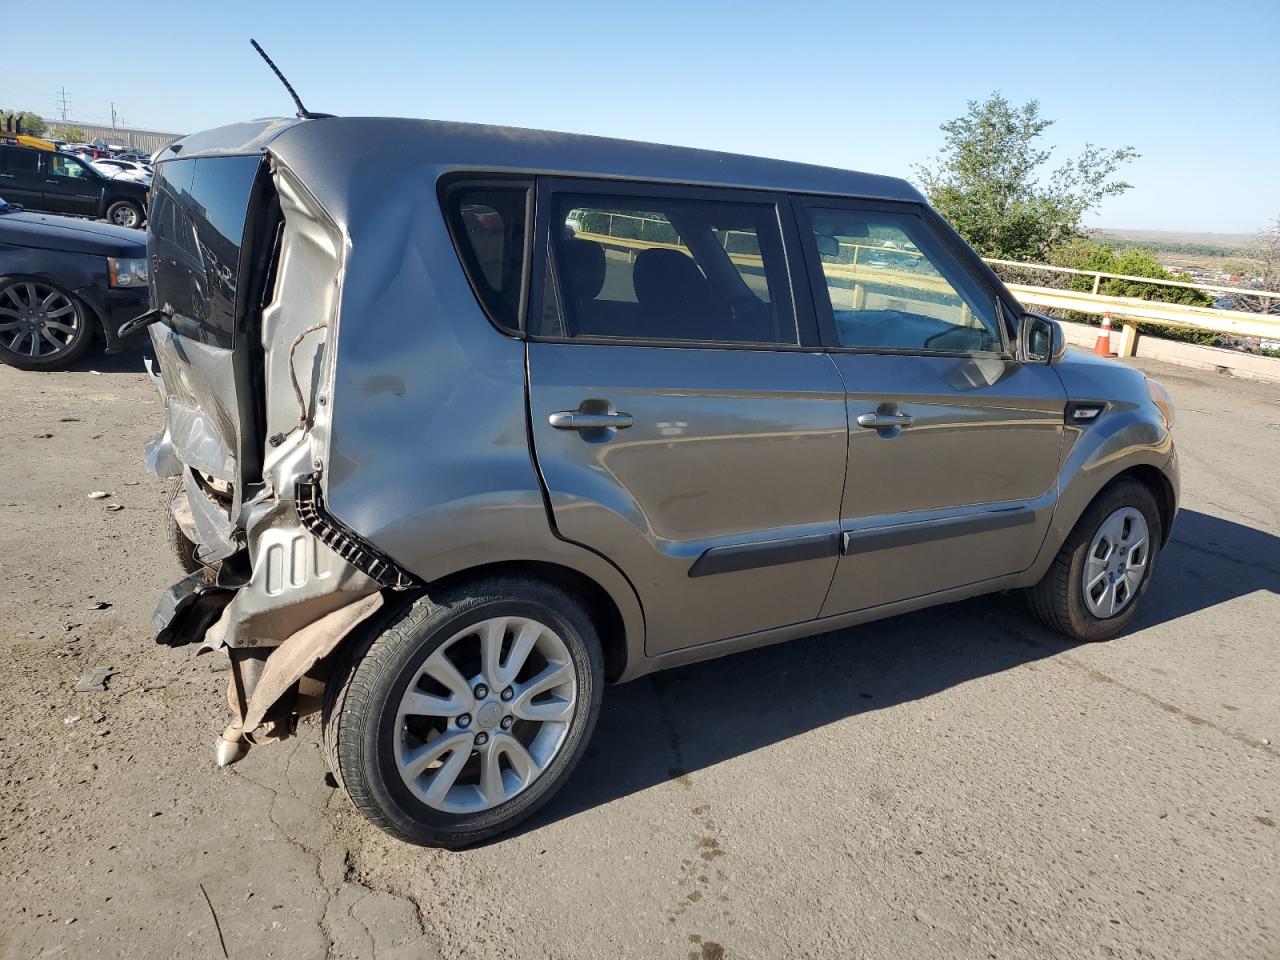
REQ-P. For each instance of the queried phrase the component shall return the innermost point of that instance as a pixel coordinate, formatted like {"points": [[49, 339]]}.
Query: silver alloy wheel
{"points": [[1116, 562], [487, 713], [124, 216], [37, 320]]}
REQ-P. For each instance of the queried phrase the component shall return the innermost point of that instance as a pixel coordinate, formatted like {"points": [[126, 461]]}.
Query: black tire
{"points": [[1058, 600], [125, 213], [84, 322], [362, 697], [184, 550]]}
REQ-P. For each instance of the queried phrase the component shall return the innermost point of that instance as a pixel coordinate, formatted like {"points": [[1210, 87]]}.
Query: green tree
{"points": [[68, 133], [32, 123], [990, 182], [1131, 262]]}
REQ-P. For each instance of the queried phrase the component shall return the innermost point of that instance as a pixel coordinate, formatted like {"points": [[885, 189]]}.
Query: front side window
{"points": [[892, 285], [64, 166], [488, 226], [656, 268]]}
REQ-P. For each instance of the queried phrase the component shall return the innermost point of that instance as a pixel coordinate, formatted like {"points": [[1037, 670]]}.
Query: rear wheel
{"points": [[184, 549], [466, 712], [1092, 590], [125, 213], [42, 325]]}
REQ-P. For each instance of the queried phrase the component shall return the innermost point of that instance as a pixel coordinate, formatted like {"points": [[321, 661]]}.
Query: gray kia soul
{"points": [[466, 422]]}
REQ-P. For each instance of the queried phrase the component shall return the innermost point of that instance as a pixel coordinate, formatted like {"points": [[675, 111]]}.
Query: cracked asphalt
{"points": [[957, 782]]}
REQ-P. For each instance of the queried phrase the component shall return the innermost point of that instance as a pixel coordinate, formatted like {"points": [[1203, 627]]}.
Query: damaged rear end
{"points": [[246, 271]]}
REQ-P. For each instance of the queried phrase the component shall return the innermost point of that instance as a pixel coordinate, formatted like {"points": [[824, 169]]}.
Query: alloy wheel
{"points": [[1116, 562], [37, 321], [488, 711]]}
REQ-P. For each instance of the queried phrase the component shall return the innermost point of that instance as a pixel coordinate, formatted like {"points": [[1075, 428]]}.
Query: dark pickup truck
{"points": [[57, 182]]}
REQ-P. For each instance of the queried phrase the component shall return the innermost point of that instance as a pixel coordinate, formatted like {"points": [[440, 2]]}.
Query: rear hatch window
{"points": [[198, 211]]}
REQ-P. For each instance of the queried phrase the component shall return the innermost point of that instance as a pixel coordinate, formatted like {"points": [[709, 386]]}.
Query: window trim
{"points": [[817, 278], [548, 187], [449, 185]]}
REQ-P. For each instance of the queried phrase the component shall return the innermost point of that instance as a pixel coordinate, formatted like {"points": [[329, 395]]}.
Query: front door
{"points": [[685, 422], [954, 446], [71, 186]]}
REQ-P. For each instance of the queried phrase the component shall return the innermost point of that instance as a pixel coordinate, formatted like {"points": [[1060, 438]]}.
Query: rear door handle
{"points": [[6, 176], [577, 420], [878, 421]]}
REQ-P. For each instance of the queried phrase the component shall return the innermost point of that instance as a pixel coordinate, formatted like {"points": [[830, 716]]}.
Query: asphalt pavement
{"points": [[953, 783]]}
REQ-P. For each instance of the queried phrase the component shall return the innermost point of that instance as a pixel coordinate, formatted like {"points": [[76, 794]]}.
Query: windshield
{"points": [[4, 205]]}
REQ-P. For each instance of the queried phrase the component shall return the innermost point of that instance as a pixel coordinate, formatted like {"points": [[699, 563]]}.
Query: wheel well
{"points": [[1155, 481], [603, 611]]}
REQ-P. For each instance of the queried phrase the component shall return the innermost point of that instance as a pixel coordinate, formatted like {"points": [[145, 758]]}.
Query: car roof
{"points": [[319, 150]]}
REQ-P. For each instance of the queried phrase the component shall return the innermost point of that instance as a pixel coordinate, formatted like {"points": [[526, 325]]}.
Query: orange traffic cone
{"points": [[1102, 346]]}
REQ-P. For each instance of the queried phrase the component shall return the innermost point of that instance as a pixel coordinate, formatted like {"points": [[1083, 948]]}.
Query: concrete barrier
{"points": [[1230, 362]]}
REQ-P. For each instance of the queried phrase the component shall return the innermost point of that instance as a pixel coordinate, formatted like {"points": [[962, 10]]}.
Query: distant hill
{"points": [[1178, 241]]}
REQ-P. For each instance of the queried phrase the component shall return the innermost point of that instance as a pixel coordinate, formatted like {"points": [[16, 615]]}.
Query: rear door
{"points": [[686, 423], [71, 186], [20, 176], [954, 445]]}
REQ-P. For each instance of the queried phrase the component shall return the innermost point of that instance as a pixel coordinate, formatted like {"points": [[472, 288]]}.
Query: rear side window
{"points": [[488, 223], [21, 161], [659, 269]]}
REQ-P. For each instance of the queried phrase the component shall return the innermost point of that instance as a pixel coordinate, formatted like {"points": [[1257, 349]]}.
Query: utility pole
{"points": [[63, 100], [113, 118]]}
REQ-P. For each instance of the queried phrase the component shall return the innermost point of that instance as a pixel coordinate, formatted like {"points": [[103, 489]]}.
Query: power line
{"points": [[64, 102]]}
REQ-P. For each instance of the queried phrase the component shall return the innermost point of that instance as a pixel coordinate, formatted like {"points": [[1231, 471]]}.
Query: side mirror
{"points": [[828, 247], [1040, 339]]}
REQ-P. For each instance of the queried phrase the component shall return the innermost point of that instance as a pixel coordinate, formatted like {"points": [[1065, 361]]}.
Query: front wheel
{"points": [[125, 213], [42, 325], [1092, 590], [465, 713]]}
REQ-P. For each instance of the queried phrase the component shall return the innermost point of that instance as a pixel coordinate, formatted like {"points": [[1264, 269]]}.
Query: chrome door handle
{"points": [[577, 420], [878, 421], [6, 176]]}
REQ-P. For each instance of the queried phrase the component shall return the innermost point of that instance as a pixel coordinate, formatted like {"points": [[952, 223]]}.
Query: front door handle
{"points": [[577, 420], [879, 421]]}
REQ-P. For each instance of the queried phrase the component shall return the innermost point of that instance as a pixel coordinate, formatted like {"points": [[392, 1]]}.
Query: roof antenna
{"points": [[303, 112]]}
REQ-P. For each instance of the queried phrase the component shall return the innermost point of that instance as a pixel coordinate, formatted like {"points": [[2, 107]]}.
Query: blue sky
{"points": [[861, 85]]}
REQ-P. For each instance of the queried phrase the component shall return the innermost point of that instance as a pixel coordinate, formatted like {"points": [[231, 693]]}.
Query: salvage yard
{"points": [[956, 782]]}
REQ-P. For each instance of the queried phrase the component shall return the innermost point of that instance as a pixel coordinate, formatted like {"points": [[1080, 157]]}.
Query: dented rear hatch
{"points": [[210, 241]]}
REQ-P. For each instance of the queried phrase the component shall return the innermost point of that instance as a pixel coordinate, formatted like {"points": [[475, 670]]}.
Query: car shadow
{"points": [[670, 725], [130, 359]]}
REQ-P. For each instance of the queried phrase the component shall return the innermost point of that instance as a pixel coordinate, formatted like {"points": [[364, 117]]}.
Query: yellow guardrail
{"points": [[1133, 310], [1100, 275]]}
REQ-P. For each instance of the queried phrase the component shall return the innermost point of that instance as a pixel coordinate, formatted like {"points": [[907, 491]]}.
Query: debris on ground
{"points": [[74, 718], [95, 679], [115, 507], [99, 605], [98, 494]]}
